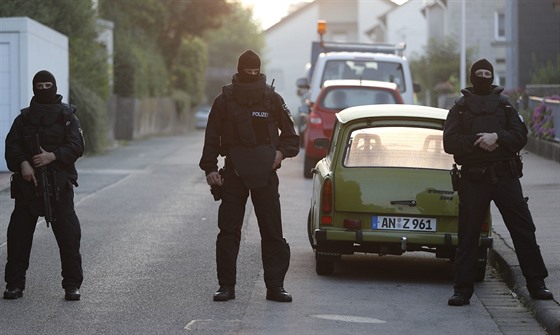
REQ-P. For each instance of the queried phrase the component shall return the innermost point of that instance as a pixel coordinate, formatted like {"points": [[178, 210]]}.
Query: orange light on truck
{"points": [[321, 27]]}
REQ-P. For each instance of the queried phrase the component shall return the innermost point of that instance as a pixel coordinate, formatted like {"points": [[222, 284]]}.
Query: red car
{"points": [[335, 96]]}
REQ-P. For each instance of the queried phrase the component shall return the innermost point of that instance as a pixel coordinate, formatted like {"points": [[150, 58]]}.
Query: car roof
{"points": [[392, 110], [358, 82], [350, 55]]}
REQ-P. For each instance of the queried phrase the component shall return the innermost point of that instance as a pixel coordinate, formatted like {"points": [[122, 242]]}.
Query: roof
{"points": [[361, 55], [358, 82], [401, 111]]}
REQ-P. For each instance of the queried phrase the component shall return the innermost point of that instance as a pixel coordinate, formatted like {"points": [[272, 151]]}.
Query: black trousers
{"points": [[274, 249], [66, 230], [475, 195]]}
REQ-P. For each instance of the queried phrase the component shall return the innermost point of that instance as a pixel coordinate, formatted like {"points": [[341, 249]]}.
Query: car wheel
{"points": [[310, 229], [481, 265], [324, 266], [308, 164]]}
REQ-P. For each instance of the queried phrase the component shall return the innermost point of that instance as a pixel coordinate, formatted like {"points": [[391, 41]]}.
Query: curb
{"points": [[504, 260], [544, 148]]}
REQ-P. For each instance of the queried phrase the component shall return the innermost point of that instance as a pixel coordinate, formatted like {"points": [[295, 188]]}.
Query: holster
{"points": [[455, 177], [21, 189]]}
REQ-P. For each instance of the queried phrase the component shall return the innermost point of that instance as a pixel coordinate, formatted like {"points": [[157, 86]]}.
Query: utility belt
{"points": [[492, 171]]}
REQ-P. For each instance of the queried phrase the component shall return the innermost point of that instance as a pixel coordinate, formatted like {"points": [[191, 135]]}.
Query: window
{"points": [[407, 147], [341, 98], [500, 26], [365, 69]]}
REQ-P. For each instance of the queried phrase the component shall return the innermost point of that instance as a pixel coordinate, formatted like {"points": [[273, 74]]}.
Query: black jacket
{"points": [[59, 132], [247, 100], [492, 113]]}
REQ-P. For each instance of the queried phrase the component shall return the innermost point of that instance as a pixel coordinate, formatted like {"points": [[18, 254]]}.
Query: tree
{"points": [[188, 72], [238, 33], [157, 49], [438, 68], [75, 19], [167, 22], [89, 77], [545, 73]]}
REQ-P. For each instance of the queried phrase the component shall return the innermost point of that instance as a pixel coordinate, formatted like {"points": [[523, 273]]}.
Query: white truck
{"points": [[367, 61], [361, 65]]}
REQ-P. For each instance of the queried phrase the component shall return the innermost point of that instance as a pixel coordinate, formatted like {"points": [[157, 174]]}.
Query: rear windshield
{"points": [[340, 98], [409, 147], [366, 70]]}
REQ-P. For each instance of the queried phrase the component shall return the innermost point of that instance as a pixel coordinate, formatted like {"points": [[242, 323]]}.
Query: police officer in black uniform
{"points": [[243, 126], [484, 132], [50, 128]]}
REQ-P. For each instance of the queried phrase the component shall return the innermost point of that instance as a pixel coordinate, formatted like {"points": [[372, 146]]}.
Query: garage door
{"points": [[9, 88]]}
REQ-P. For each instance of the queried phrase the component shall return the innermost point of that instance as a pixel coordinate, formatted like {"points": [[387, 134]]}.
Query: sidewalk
{"points": [[541, 184]]}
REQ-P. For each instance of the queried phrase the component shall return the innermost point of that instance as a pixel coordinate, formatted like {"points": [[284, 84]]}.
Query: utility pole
{"points": [[462, 78]]}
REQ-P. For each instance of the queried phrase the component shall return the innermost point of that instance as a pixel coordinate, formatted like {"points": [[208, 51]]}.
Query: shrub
{"points": [[541, 123], [92, 112]]}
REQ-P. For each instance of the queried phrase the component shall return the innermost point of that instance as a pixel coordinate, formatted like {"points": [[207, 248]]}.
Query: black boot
{"points": [[13, 293], [458, 299], [278, 294], [224, 293], [72, 293], [540, 292]]}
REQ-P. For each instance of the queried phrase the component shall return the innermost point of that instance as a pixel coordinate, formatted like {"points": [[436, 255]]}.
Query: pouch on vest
{"points": [[21, 189], [253, 164]]}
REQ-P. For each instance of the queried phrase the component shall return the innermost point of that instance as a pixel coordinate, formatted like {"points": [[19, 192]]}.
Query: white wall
{"points": [[367, 16], [288, 49], [27, 47], [407, 24]]}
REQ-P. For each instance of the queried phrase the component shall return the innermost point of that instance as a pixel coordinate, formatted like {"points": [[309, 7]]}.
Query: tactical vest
{"points": [[51, 132], [250, 125], [250, 135], [484, 114]]}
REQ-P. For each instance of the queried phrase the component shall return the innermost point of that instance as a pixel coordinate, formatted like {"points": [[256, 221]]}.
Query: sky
{"points": [[269, 12]]}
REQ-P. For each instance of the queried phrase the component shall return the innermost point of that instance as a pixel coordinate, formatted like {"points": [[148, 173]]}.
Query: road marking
{"points": [[217, 326], [112, 171], [347, 318]]}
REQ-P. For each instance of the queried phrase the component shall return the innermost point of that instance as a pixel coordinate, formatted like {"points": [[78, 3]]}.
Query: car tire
{"points": [[481, 265], [308, 164], [324, 266]]}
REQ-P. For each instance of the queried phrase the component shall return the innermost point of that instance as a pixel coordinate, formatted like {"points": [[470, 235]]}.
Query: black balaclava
{"points": [[482, 85], [47, 96], [248, 60]]}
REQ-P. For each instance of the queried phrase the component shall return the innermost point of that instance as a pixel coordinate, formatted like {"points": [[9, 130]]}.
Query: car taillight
{"points": [[315, 120], [326, 202]]}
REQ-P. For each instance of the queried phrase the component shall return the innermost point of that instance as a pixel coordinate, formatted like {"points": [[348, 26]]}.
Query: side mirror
{"points": [[302, 83], [416, 87], [321, 143]]}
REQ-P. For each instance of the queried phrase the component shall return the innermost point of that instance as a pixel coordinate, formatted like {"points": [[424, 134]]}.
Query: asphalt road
{"points": [[148, 243]]}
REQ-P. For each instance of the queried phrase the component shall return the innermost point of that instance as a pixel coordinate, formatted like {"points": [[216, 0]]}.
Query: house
{"points": [[288, 43], [533, 35], [516, 36]]}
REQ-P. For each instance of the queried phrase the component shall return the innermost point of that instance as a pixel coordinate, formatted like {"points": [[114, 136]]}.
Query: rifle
{"points": [[46, 188]]}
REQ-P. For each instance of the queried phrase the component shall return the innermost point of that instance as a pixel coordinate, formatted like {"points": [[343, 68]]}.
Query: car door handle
{"points": [[410, 203]]}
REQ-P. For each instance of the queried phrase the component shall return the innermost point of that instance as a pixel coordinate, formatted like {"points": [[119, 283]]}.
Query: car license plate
{"points": [[403, 223]]}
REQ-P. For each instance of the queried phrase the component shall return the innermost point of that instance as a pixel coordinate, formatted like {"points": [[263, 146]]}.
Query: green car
{"points": [[385, 187]]}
